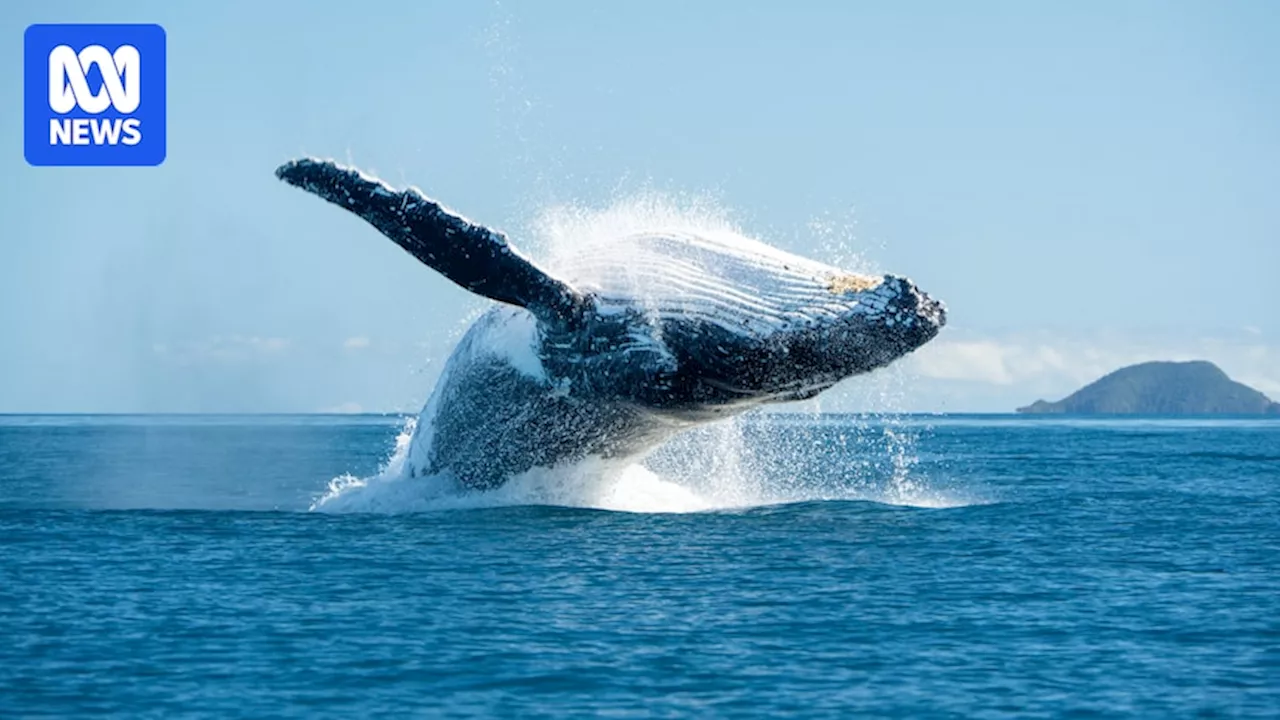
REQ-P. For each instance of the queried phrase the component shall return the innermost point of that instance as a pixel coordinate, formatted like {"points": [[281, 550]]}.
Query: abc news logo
{"points": [[69, 89], [94, 95]]}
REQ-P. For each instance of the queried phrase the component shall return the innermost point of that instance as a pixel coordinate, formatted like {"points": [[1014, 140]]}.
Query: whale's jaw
{"points": [[732, 323]]}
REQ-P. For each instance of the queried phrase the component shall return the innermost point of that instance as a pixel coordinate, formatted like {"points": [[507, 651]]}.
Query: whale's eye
{"points": [[840, 284]]}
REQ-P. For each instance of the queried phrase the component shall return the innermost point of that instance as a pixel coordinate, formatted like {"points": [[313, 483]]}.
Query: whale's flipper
{"points": [[473, 256]]}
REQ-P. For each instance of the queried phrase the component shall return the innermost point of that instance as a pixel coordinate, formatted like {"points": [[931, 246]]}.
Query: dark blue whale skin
{"points": [[606, 375]]}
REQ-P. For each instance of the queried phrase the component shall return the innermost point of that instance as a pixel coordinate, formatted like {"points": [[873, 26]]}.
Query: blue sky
{"points": [[1085, 184]]}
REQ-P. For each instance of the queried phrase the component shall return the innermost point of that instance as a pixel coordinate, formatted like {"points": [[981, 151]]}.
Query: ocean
{"points": [[808, 565]]}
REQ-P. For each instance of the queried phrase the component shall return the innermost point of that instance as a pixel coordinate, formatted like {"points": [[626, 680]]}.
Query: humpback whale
{"points": [[633, 340]]}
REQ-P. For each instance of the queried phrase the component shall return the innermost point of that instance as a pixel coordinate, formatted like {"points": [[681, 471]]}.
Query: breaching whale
{"points": [[631, 342]]}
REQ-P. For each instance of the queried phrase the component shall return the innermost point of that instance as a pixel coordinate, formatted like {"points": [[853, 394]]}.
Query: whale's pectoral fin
{"points": [[473, 256]]}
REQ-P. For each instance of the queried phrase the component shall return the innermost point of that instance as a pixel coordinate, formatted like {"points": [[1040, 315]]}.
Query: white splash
{"points": [[595, 483], [708, 469]]}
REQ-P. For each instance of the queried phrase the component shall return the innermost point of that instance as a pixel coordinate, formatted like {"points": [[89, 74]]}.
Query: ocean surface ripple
{"points": [[817, 565]]}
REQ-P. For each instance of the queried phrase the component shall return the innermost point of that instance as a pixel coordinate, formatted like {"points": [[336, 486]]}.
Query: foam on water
{"points": [[740, 463], [712, 468], [594, 483]]}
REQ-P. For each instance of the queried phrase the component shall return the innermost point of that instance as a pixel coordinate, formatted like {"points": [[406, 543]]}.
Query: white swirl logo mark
{"points": [[69, 86]]}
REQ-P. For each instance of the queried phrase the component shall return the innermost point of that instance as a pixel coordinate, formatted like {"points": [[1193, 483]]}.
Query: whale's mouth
{"points": [[932, 310]]}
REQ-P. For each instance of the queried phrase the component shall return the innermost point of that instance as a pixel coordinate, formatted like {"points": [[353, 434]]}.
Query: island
{"points": [[1161, 388]]}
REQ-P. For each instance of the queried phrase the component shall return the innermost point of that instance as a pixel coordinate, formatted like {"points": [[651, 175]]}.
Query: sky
{"points": [[1084, 184]]}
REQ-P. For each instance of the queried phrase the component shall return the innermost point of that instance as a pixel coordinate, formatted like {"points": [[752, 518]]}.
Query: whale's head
{"points": [[871, 321], [866, 323], [743, 323], [884, 317]]}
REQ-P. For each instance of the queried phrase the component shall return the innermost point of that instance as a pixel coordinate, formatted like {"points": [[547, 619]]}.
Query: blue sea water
{"points": [[834, 566]]}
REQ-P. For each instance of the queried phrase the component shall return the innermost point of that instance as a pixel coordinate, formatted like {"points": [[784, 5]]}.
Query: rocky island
{"points": [[1162, 388]]}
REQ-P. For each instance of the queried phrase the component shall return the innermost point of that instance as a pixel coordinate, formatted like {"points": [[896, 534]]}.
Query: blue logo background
{"points": [[150, 113]]}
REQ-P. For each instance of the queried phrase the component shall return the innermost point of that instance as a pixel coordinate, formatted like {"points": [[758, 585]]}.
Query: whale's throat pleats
{"points": [[739, 322], [739, 285]]}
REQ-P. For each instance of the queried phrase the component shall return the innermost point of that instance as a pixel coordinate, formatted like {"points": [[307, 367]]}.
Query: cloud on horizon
{"points": [[1046, 365]]}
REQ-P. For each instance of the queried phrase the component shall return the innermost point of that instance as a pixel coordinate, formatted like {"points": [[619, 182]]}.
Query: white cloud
{"points": [[1267, 386], [268, 345], [356, 343], [223, 348], [976, 361], [1050, 366], [346, 408]]}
